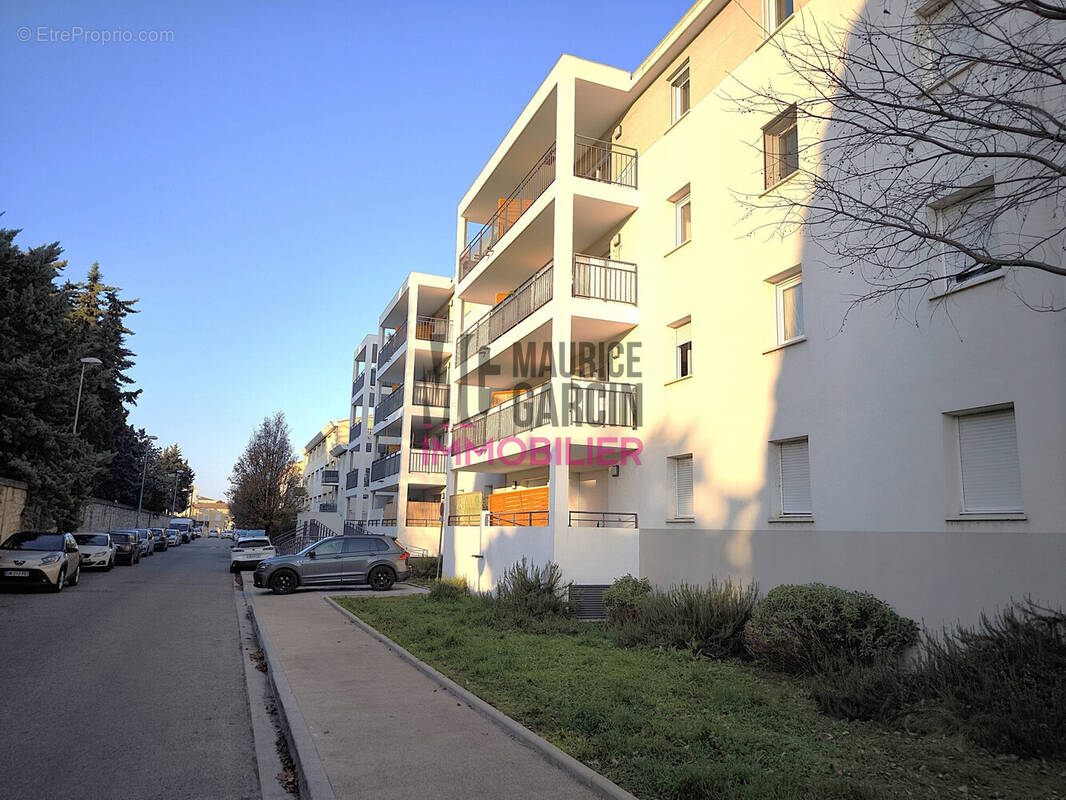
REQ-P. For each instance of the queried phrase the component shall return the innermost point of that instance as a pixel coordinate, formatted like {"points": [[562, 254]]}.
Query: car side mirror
{"points": [[312, 554], [71, 548]]}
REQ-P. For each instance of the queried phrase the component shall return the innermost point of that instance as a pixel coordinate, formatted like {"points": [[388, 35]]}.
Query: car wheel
{"points": [[110, 564], [59, 584], [381, 579], [76, 576], [233, 567], [283, 582]]}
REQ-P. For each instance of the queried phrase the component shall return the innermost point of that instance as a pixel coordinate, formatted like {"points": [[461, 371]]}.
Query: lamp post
{"points": [[144, 471], [77, 408]]}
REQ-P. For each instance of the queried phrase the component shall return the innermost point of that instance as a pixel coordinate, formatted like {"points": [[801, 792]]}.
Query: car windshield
{"points": [[29, 540], [171, 532], [120, 537], [97, 539], [253, 543]]}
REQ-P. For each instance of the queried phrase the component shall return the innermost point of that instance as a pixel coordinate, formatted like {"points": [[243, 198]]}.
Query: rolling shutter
{"points": [[683, 486], [988, 454], [795, 478]]}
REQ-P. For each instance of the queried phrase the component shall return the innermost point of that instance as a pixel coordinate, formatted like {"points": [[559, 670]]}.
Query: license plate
{"points": [[16, 573]]}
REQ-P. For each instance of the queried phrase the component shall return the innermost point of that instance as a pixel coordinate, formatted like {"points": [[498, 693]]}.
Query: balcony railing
{"points": [[431, 329], [605, 161], [388, 522], [604, 279], [517, 306], [434, 461], [388, 404], [424, 522], [399, 336], [509, 211], [357, 384], [327, 508], [595, 403], [534, 519], [356, 431], [527, 411], [351, 480], [384, 467], [427, 393], [603, 519], [464, 520], [331, 477]]}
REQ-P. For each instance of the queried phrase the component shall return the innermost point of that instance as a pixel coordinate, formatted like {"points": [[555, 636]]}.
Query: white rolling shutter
{"points": [[988, 454], [683, 486], [795, 478]]}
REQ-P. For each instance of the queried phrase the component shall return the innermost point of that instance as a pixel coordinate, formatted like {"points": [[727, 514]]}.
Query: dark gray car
{"points": [[378, 561]]}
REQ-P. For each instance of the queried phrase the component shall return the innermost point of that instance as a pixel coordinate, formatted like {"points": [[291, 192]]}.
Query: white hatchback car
{"points": [[97, 550], [248, 552]]}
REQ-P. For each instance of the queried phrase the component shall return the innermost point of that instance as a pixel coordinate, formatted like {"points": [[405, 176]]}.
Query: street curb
{"points": [[314, 782], [584, 775]]}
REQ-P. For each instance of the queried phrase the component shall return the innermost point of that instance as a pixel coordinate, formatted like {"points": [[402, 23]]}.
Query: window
{"points": [[795, 477], [777, 13], [681, 467], [789, 294], [330, 547], [780, 147], [988, 459], [969, 221], [682, 219], [680, 97], [949, 38], [682, 331]]}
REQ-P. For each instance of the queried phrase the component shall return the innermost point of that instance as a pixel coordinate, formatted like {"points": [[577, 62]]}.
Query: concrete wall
{"points": [[101, 515], [12, 501]]}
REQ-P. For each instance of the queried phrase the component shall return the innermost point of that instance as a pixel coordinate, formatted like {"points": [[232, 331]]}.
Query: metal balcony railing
{"points": [[399, 336], [605, 279], [428, 393], [432, 329], [388, 404], [595, 403], [517, 306], [524, 413], [603, 519], [526, 519], [509, 211], [356, 431], [327, 508], [357, 384], [351, 480], [384, 467], [464, 520], [331, 477], [433, 461], [606, 162]]}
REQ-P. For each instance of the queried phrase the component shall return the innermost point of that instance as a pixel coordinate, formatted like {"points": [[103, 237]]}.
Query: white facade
{"points": [[770, 441], [323, 458], [360, 453]]}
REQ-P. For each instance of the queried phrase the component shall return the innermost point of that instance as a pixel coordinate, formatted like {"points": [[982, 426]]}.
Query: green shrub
{"points": [[424, 568], [881, 691], [1003, 683], [622, 597], [529, 591], [705, 619], [448, 589], [797, 628]]}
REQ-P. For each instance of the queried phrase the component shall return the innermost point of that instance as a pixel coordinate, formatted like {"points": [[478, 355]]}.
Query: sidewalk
{"points": [[381, 727]]}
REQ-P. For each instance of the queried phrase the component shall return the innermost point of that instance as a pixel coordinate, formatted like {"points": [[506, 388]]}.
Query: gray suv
{"points": [[378, 561]]}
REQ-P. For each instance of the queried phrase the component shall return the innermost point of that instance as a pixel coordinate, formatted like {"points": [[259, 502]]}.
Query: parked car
{"points": [[173, 537], [35, 558], [379, 561], [144, 536], [159, 539], [127, 547], [97, 550], [212, 534], [249, 552]]}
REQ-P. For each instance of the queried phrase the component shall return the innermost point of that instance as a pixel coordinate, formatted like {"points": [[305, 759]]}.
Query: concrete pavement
{"points": [[381, 727]]}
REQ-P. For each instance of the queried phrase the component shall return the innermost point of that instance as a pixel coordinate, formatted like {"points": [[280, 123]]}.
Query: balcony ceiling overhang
{"points": [[530, 250]]}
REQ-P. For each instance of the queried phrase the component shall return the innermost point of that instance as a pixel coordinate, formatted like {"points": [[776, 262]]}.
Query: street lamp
{"points": [[84, 362], [144, 471]]}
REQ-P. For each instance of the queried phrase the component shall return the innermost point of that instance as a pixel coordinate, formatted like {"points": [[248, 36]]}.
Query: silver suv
{"points": [[378, 561]]}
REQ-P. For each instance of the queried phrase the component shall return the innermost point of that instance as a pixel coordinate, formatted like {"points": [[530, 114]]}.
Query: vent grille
{"points": [[588, 600]]}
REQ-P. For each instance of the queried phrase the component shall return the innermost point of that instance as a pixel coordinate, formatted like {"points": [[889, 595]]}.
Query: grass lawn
{"points": [[671, 725]]}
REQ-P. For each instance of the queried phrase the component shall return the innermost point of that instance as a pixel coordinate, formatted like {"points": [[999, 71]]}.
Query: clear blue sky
{"points": [[263, 181]]}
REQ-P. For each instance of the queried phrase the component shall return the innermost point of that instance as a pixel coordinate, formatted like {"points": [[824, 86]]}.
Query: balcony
{"points": [[605, 279], [517, 306], [388, 404], [432, 329], [510, 210], [351, 480], [600, 404], [357, 384], [399, 336], [431, 461], [605, 162], [356, 431], [327, 508], [385, 467], [389, 522], [526, 412], [331, 477], [603, 519], [426, 393]]}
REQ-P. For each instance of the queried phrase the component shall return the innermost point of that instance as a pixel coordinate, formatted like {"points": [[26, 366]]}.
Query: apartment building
{"points": [[324, 456], [360, 424], [640, 386], [409, 433], [210, 513]]}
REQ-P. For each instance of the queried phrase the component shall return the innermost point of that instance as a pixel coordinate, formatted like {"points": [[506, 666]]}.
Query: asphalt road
{"points": [[129, 685]]}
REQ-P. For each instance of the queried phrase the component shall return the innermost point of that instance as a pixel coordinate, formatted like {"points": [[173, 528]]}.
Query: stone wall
{"points": [[102, 515], [12, 501]]}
